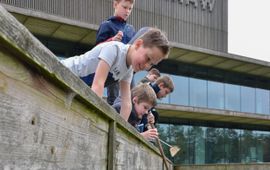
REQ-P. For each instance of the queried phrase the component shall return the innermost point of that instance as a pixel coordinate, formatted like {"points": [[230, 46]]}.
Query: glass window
{"points": [[232, 97], [215, 95], [165, 99], [248, 146], [262, 144], [201, 93], [198, 94], [138, 76], [180, 138], [197, 134], [214, 145], [180, 94], [232, 145], [175, 135], [209, 145], [247, 99], [262, 101]]}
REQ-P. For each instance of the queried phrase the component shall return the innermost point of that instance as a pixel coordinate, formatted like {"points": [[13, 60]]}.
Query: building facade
{"points": [[219, 111], [192, 22]]}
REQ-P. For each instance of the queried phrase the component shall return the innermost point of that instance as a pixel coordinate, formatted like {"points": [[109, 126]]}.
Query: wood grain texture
{"points": [[131, 153], [37, 129]]}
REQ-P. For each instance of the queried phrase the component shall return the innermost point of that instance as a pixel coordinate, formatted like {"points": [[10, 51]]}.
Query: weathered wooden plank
{"points": [[21, 42], [133, 154], [111, 145], [36, 124]]}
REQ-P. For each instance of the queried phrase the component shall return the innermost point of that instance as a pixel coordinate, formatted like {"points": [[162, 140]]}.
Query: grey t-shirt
{"points": [[114, 53]]}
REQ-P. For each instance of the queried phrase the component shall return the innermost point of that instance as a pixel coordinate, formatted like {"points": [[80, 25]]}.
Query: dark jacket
{"points": [[110, 28], [153, 110], [144, 120], [133, 118]]}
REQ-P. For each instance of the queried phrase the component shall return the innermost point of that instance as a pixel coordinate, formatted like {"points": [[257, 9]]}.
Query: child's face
{"points": [[142, 108], [143, 58], [122, 9], [164, 91], [152, 77]]}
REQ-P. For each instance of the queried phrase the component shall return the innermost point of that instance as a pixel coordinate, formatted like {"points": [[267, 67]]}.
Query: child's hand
{"points": [[118, 36], [151, 118], [150, 134]]}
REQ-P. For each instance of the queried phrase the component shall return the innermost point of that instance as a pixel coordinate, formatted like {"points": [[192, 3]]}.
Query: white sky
{"points": [[249, 28]]}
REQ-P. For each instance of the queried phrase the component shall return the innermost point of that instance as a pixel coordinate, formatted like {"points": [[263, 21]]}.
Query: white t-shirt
{"points": [[113, 53]]}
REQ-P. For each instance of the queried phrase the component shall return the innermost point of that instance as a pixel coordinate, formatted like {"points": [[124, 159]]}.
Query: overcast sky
{"points": [[249, 28]]}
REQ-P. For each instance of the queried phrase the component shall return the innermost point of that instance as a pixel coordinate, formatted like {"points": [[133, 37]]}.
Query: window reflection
{"points": [[198, 95], [247, 99], [208, 145], [215, 95], [139, 76], [214, 145], [180, 96], [203, 93], [262, 101], [232, 97]]}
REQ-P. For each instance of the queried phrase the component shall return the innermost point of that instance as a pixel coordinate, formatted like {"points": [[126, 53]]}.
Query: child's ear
{"points": [[115, 4], [135, 99], [161, 85], [138, 43]]}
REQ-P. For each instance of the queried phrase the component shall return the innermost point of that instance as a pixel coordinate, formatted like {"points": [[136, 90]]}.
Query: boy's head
{"points": [[153, 74], [123, 8], [149, 49], [143, 99], [165, 85]]}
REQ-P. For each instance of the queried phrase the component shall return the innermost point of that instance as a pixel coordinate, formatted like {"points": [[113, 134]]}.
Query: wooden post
{"points": [[111, 146]]}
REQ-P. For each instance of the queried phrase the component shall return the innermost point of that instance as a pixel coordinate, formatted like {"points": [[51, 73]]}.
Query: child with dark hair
{"points": [[151, 76]]}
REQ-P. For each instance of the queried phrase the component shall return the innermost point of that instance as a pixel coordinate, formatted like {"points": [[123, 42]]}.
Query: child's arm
{"points": [[100, 77], [125, 99]]}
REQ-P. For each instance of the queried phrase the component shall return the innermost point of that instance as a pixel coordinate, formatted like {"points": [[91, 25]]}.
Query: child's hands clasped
{"points": [[151, 118], [118, 36], [150, 134]]}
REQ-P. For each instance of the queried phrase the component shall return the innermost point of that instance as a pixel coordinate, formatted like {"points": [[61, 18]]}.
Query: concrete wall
{"points": [[262, 166], [201, 23], [50, 119]]}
